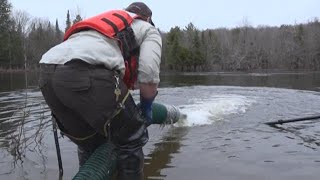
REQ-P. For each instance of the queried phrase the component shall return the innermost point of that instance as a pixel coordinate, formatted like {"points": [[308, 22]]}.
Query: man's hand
{"points": [[148, 93], [146, 109]]}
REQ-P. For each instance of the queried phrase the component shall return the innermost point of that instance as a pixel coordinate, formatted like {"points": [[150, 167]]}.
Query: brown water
{"points": [[224, 136]]}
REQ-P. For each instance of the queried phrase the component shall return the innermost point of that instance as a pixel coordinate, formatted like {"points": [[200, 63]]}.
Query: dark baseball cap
{"points": [[141, 9]]}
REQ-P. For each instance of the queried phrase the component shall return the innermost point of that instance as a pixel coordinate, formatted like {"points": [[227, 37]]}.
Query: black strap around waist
{"points": [[73, 63], [81, 63]]}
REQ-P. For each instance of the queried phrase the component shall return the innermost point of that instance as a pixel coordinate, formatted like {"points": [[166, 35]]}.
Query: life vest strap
{"points": [[125, 22], [115, 28]]}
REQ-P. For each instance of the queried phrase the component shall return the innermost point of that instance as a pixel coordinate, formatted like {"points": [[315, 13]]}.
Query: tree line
{"points": [[23, 40], [288, 47]]}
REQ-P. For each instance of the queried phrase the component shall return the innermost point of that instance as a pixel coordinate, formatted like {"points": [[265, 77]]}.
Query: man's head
{"points": [[142, 10]]}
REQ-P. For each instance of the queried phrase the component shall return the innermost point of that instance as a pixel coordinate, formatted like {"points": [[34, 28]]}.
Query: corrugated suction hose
{"points": [[102, 163]]}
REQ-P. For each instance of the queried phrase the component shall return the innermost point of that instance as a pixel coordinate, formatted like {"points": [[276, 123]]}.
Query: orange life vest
{"points": [[115, 24]]}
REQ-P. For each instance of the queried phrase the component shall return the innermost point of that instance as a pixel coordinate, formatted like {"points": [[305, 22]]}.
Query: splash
{"points": [[213, 109]]}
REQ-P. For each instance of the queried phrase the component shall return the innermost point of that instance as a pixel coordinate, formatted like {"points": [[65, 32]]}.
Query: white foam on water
{"points": [[213, 109]]}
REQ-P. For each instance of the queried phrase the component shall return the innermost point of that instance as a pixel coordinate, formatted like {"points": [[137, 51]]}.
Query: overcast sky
{"points": [[169, 13]]}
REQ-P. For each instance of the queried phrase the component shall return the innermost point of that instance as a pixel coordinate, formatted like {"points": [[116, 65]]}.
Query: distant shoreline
{"points": [[2, 70]]}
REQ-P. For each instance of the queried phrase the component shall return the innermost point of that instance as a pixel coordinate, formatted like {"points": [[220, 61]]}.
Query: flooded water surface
{"points": [[223, 137]]}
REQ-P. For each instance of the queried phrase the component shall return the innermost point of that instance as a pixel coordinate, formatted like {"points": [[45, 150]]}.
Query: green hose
{"points": [[102, 163], [159, 113], [165, 114]]}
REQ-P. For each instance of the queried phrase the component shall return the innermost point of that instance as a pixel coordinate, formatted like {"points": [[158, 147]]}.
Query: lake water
{"points": [[224, 136]]}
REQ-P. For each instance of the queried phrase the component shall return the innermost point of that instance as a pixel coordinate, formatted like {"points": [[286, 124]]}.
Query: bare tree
{"points": [[22, 19]]}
